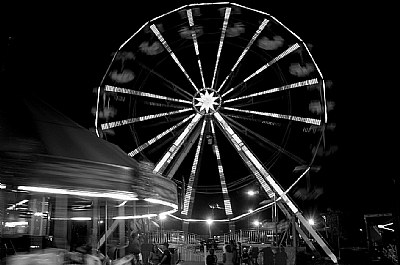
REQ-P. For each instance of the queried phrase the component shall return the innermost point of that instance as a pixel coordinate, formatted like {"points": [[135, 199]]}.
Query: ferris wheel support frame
{"points": [[269, 184], [183, 153]]}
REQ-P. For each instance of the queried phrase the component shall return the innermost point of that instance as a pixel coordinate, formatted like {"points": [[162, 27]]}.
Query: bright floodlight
{"points": [[210, 221], [311, 221], [162, 216], [256, 223], [251, 192]]}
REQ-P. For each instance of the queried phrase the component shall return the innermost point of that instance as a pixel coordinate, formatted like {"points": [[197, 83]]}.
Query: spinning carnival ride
{"points": [[217, 94]]}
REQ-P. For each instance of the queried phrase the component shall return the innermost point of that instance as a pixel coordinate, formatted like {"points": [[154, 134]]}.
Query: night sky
{"points": [[60, 53]]}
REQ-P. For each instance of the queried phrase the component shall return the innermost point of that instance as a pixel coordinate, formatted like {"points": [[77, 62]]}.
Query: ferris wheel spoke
{"points": [[158, 137], [195, 43], [166, 46], [262, 175], [113, 124], [277, 89], [278, 116], [252, 119], [173, 150], [221, 42], [175, 87], [190, 190], [260, 28], [142, 94], [282, 150], [265, 66], [227, 200], [238, 144]]}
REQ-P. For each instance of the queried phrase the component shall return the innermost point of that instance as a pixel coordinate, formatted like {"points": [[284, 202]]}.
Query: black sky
{"points": [[61, 52]]}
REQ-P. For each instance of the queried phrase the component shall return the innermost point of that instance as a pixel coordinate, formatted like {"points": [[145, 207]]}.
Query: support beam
{"points": [[269, 184], [107, 233], [183, 153]]}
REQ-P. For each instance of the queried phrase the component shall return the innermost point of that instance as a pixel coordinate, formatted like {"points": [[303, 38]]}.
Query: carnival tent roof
{"points": [[39, 146]]}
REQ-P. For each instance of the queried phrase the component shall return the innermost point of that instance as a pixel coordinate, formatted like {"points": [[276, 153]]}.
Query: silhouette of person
{"points": [[246, 257], [228, 257], [281, 257], [211, 258], [166, 255], [268, 256]]}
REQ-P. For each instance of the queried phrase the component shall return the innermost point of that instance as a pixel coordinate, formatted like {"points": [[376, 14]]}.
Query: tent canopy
{"points": [[41, 147]]}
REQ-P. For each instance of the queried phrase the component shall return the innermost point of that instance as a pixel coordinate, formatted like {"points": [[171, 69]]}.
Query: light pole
{"points": [[248, 219], [257, 224], [209, 222], [325, 228], [162, 218]]}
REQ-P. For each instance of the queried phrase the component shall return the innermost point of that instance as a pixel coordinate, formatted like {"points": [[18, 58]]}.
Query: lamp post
{"points": [[257, 224], [209, 222], [162, 218]]}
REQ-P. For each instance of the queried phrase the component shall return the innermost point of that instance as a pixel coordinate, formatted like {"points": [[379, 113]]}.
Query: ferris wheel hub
{"points": [[206, 101]]}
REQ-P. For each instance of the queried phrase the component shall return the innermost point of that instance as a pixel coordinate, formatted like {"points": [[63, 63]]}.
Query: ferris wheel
{"points": [[217, 95]]}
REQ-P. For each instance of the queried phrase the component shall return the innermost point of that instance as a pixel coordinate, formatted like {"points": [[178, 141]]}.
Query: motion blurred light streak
{"points": [[221, 41], [81, 218], [165, 44], [190, 194], [277, 89], [127, 217], [142, 94], [158, 137], [114, 124], [158, 201], [260, 28], [119, 195], [195, 43], [278, 116], [169, 155], [227, 201], [265, 66]]}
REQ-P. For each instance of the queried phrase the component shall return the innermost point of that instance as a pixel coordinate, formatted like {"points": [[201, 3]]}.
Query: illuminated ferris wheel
{"points": [[217, 93]]}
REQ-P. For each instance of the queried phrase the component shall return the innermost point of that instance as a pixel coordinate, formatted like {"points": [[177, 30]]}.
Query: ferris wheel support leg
{"points": [[306, 239], [183, 153], [317, 237], [283, 205]]}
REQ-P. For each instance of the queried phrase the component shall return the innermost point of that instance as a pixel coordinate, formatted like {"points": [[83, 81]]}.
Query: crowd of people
{"points": [[235, 254], [134, 254]]}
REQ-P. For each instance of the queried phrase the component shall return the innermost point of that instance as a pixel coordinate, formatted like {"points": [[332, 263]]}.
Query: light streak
{"points": [[142, 94], [278, 116], [170, 154], [265, 66], [260, 28], [189, 195], [114, 124], [165, 44], [221, 41], [277, 89], [196, 45], [158, 137]]}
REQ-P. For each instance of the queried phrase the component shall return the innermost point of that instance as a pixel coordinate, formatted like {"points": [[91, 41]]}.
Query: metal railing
{"points": [[251, 236], [173, 237], [244, 236]]}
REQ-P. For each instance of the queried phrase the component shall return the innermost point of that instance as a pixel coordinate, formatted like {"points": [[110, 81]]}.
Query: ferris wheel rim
{"points": [[196, 117]]}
